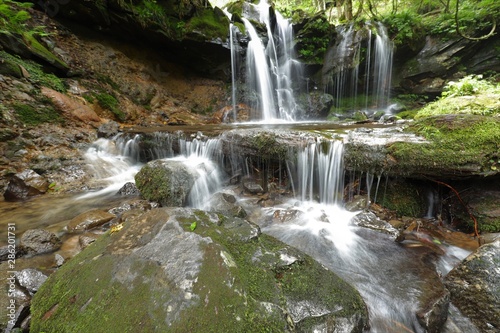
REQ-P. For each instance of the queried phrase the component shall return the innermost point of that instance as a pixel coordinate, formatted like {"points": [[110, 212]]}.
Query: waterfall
{"points": [[271, 68], [320, 172], [233, 33], [258, 75], [345, 78], [382, 66]]}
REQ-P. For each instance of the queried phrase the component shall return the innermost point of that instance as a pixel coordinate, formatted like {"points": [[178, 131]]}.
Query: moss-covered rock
{"points": [[166, 182], [181, 270], [475, 287]]}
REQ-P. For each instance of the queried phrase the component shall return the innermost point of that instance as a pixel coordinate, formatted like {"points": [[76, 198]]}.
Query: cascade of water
{"points": [[258, 76], [233, 33], [382, 66], [320, 166], [115, 162], [272, 68], [376, 81]]}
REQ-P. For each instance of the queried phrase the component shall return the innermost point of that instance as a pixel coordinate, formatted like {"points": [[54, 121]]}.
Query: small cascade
{"points": [[115, 162], [203, 156], [272, 68], [320, 172]]}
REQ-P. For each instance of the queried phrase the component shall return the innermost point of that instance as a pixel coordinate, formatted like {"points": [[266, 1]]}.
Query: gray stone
{"points": [[31, 279], [37, 241], [192, 271], [475, 287], [24, 185]]}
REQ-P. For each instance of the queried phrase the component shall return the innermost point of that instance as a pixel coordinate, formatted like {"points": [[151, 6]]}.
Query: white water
{"points": [[388, 276], [271, 68], [375, 82], [116, 162]]}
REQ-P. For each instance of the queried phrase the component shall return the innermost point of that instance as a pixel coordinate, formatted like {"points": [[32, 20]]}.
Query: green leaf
{"points": [[192, 226]]}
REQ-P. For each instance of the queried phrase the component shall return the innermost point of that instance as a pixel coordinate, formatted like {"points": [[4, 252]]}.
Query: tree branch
{"points": [[457, 27]]}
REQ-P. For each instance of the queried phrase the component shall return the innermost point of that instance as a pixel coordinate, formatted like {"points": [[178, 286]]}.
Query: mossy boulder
{"points": [[167, 182], [183, 270], [475, 287], [454, 146]]}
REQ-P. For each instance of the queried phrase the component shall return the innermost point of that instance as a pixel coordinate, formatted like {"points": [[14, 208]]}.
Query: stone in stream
{"points": [[37, 241], [475, 287], [185, 270], [25, 184], [89, 220]]}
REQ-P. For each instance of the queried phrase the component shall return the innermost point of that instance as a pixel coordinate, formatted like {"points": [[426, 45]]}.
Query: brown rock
{"points": [[89, 220], [71, 107]]}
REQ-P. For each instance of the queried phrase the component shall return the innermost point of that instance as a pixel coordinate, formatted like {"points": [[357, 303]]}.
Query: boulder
{"points": [[25, 184], [37, 241], [186, 270], [72, 107], [89, 220], [128, 189], [166, 181], [475, 287]]}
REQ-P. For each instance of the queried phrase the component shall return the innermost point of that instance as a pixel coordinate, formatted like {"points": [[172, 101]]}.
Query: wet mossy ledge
{"points": [[184, 270]]}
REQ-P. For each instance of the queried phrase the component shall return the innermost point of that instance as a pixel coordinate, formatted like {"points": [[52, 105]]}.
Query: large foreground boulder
{"points": [[475, 287], [184, 270]]}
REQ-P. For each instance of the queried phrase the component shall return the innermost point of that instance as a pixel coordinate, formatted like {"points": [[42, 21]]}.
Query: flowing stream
{"points": [[389, 277]]}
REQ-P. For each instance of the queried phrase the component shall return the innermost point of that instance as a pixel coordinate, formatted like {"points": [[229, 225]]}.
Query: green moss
{"points": [[109, 102], [410, 114], [455, 141], [29, 115], [209, 24], [37, 75], [403, 197], [96, 294], [41, 51], [267, 146]]}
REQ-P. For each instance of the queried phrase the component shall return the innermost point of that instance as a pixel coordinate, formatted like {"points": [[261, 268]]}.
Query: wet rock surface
{"points": [[24, 185], [38, 241], [228, 270], [475, 287], [89, 220]]}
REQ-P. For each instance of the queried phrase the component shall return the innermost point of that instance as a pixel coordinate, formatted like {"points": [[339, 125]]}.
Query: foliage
{"points": [[405, 27], [13, 17], [314, 39], [470, 95], [469, 85]]}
